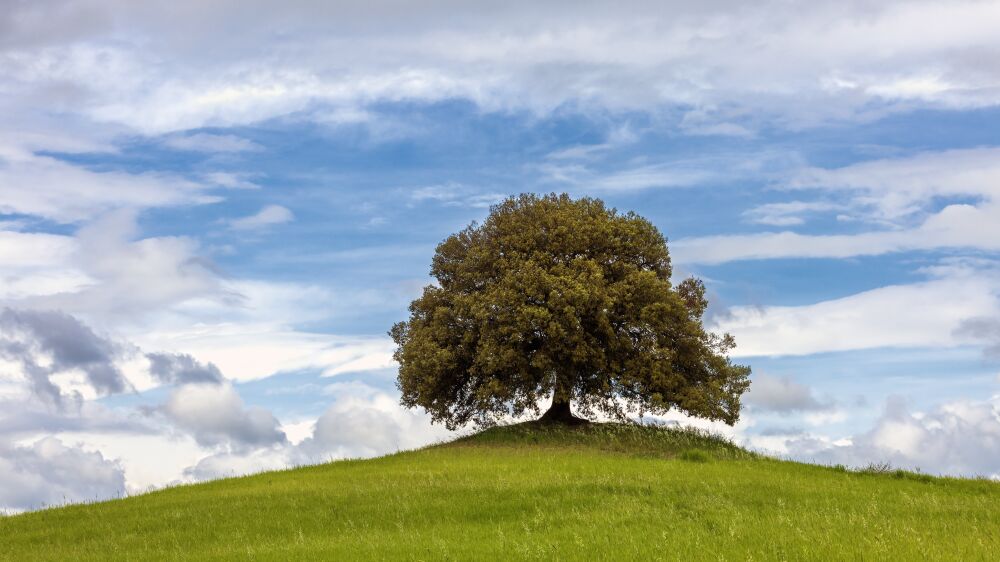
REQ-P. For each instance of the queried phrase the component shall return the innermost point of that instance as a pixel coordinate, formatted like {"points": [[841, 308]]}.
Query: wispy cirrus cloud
{"points": [[49, 188], [927, 201], [270, 215], [206, 142], [882, 317]]}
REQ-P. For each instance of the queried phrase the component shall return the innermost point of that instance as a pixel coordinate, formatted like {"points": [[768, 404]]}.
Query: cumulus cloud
{"points": [[782, 395], [180, 368], [226, 464], [365, 422], [216, 416], [47, 343], [48, 472], [268, 216], [362, 422], [956, 438]]}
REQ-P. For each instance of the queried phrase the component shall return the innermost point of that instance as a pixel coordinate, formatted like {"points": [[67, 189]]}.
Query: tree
{"points": [[566, 298]]}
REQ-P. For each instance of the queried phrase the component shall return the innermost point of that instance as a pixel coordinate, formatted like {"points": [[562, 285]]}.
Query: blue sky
{"points": [[210, 217]]}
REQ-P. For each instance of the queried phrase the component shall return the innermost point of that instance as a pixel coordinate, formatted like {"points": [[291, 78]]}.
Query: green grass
{"points": [[607, 492]]}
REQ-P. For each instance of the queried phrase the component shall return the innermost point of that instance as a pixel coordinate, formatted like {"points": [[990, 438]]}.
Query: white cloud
{"points": [[782, 395], [230, 180], [789, 213], [205, 142], [883, 317], [48, 472], [896, 187], [128, 279], [955, 226], [226, 464], [45, 187], [36, 264], [215, 415], [959, 438], [456, 195], [681, 174], [253, 351], [34, 250], [268, 216], [838, 60], [898, 194], [365, 422]]}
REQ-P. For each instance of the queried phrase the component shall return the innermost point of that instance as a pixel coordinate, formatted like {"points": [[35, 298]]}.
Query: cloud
{"points": [[839, 61], [24, 250], [227, 464], [25, 419], [362, 422], [983, 329], [129, 279], [231, 180], [955, 226], [883, 317], [956, 438], [365, 422], [902, 196], [788, 213], [268, 216], [672, 175], [36, 264], [179, 368], [205, 142], [897, 187], [48, 472], [47, 343], [46, 187], [216, 416], [782, 395], [455, 195], [254, 349]]}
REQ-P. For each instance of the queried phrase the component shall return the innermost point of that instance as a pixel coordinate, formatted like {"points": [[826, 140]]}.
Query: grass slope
{"points": [[607, 492]]}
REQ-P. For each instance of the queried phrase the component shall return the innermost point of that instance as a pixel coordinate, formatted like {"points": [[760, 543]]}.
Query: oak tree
{"points": [[563, 298]]}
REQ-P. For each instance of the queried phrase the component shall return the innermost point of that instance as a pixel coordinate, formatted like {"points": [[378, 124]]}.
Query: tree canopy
{"points": [[563, 298]]}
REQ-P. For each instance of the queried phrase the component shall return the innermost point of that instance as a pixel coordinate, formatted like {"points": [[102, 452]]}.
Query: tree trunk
{"points": [[560, 412]]}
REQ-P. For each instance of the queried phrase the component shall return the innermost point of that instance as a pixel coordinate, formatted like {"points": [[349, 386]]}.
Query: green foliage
{"points": [[527, 492], [565, 298]]}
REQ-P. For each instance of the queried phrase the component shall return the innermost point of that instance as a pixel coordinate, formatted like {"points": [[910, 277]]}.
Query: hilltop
{"points": [[600, 491]]}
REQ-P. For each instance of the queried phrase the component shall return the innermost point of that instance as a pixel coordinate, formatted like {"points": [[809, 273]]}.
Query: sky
{"points": [[211, 212]]}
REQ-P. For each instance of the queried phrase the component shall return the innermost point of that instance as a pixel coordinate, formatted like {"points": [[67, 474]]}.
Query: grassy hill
{"points": [[605, 492]]}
